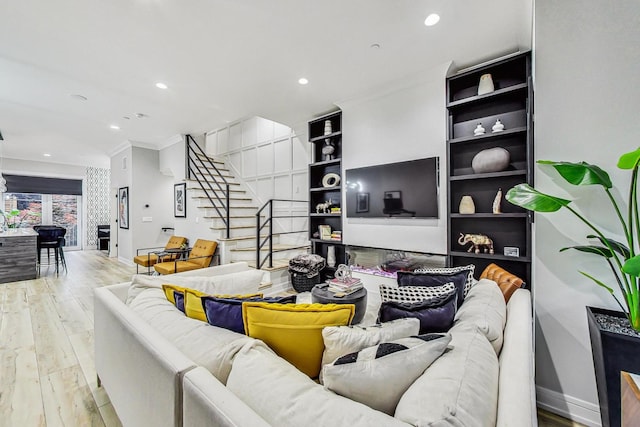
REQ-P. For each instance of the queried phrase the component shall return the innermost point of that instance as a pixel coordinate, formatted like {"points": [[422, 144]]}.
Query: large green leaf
{"points": [[598, 282], [597, 250], [525, 196], [621, 248], [629, 160], [632, 266], [580, 173]]}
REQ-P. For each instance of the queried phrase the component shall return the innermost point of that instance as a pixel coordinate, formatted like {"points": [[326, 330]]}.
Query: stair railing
{"points": [[268, 224], [202, 169]]}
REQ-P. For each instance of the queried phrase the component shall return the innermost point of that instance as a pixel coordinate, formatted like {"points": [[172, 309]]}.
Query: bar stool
{"points": [[51, 237]]}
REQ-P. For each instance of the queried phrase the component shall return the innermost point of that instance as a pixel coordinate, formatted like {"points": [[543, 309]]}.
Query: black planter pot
{"points": [[612, 353]]}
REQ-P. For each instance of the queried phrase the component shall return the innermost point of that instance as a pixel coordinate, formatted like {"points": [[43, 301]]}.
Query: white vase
{"points": [[327, 127], [486, 84], [331, 256], [467, 206]]}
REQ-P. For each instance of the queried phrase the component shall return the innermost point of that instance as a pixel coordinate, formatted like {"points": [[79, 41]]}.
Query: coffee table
{"points": [[320, 294]]}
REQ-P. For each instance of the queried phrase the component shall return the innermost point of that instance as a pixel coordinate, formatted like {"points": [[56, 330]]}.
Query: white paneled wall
{"points": [[269, 159]]}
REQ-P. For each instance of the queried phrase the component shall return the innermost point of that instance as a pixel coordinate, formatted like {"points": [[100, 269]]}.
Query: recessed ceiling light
{"points": [[432, 19], [78, 97], [375, 46], [161, 85], [126, 117], [141, 116], [47, 155], [303, 81], [114, 127]]}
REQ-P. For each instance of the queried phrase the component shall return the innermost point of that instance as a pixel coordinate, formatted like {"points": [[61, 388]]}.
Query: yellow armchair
{"points": [[200, 257], [147, 257]]}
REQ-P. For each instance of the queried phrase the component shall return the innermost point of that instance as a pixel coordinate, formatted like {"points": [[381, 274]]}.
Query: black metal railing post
{"points": [[271, 235], [268, 239]]}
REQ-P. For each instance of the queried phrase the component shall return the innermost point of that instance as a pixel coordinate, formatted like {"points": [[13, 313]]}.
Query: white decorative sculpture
{"points": [[324, 207], [497, 201], [486, 84], [498, 127], [479, 130], [491, 160]]}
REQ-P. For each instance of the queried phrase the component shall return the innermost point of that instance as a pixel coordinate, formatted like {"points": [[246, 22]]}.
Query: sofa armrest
{"points": [[217, 270], [207, 402], [516, 393], [140, 370], [120, 290]]}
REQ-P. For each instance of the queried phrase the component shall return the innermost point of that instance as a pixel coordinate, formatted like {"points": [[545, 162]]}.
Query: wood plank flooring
{"points": [[47, 372]]}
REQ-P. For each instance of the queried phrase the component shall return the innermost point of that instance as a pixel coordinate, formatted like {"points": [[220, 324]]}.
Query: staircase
{"points": [[232, 218]]}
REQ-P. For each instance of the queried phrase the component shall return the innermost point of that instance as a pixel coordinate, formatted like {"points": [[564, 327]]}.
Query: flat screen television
{"points": [[395, 190]]}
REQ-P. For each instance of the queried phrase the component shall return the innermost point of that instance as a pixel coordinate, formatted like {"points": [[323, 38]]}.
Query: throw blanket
{"points": [[309, 264]]}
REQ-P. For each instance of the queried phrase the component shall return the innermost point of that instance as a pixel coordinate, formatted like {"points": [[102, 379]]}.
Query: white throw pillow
{"points": [[285, 397], [485, 308], [459, 389], [452, 270], [378, 376], [242, 282], [341, 340]]}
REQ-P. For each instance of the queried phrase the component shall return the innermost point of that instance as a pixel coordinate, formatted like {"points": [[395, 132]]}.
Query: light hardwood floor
{"points": [[47, 373]]}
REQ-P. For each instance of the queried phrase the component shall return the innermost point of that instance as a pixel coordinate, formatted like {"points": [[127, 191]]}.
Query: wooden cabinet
{"points": [[510, 102], [17, 258], [325, 186]]}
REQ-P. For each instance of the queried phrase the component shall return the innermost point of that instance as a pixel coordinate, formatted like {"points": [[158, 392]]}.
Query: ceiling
{"points": [[222, 60]]}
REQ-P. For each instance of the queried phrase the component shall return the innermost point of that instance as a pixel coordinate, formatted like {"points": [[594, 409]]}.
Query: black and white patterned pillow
{"points": [[412, 294], [391, 366], [453, 270]]}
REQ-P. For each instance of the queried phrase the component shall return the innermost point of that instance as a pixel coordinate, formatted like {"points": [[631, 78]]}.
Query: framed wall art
{"points": [[123, 207], [180, 200]]}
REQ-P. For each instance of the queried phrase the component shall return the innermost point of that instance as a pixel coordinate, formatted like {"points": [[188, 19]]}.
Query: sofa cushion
{"points": [[507, 282], [341, 340], [459, 389], [462, 278], [242, 282], [208, 346], [194, 308], [435, 315], [413, 294], [226, 311], [485, 308], [390, 366], [285, 397], [294, 331]]}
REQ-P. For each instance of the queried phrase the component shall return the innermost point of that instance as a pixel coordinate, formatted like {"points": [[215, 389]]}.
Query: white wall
{"points": [[271, 162], [587, 57], [405, 124], [121, 176]]}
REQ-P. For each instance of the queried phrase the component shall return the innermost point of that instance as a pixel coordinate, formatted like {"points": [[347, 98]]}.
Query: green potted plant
{"points": [[613, 348]]}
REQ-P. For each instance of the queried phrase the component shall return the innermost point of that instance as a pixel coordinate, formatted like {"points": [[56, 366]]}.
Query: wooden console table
{"points": [[630, 399], [18, 250]]}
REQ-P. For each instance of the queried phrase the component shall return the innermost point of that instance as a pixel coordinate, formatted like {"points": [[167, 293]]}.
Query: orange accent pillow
{"points": [[507, 282]]}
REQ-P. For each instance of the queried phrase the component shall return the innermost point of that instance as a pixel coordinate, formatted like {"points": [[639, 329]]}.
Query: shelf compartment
{"points": [[490, 215], [474, 176], [490, 135], [511, 232], [321, 138], [491, 256], [324, 189], [504, 92], [322, 215], [512, 116], [483, 192], [325, 163]]}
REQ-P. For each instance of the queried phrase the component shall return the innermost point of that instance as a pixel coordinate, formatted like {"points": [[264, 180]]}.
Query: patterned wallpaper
{"points": [[97, 202]]}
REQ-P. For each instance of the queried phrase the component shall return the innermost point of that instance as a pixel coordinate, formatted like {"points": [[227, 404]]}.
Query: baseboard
{"points": [[569, 407]]}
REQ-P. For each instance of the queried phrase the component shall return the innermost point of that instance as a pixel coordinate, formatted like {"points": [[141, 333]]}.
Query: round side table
{"points": [[320, 294]]}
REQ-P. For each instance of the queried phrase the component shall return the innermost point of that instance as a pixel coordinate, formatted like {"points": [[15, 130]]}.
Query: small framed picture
{"points": [[511, 251], [123, 207], [180, 200]]}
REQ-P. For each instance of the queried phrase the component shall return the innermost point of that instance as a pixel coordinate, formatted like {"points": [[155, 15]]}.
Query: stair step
{"points": [[213, 182], [233, 227], [232, 207], [248, 199], [233, 217], [231, 190], [212, 159], [278, 264]]}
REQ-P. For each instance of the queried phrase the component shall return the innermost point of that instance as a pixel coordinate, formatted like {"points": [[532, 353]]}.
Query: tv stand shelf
{"points": [[511, 102]]}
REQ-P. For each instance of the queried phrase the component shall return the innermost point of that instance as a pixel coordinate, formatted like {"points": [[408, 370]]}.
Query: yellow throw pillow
{"points": [[193, 302], [294, 331]]}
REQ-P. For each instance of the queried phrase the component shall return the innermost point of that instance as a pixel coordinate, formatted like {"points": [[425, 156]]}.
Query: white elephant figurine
{"points": [[324, 207], [478, 241]]}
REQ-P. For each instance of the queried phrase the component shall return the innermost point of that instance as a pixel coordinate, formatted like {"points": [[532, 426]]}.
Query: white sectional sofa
{"points": [[161, 368]]}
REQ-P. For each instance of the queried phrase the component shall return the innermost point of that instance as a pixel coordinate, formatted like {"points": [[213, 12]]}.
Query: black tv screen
{"points": [[395, 190]]}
